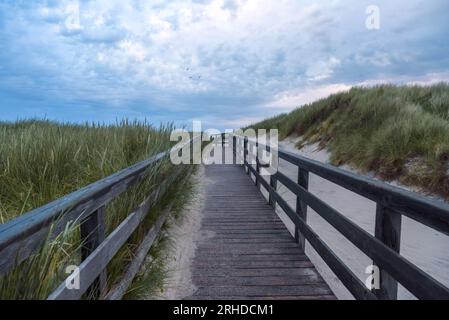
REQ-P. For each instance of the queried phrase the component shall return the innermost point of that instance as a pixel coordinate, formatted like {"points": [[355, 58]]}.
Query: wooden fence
{"points": [[383, 247], [21, 237]]}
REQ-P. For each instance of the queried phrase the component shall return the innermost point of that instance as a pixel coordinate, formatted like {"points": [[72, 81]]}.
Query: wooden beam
{"points": [[434, 214], [92, 231], [301, 207], [388, 230], [119, 290]]}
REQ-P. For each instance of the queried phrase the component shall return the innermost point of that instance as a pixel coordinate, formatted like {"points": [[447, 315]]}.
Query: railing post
{"points": [[234, 149], [92, 234], [223, 155], [273, 184], [257, 182], [245, 154], [387, 230], [301, 207]]}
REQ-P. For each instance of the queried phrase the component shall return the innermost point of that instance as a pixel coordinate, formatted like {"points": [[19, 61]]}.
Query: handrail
{"points": [[420, 208], [383, 248], [26, 229]]}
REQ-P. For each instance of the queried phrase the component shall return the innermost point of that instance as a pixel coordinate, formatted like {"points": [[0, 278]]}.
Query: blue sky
{"points": [[225, 62]]}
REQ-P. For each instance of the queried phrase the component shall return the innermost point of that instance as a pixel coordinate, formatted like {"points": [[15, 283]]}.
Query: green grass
{"points": [[154, 274], [41, 161], [398, 132]]}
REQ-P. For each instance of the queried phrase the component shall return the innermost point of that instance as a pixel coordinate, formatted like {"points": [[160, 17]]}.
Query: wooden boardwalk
{"points": [[245, 251]]}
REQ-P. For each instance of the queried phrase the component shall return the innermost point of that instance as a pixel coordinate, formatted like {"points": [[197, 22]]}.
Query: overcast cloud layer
{"points": [[226, 62]]}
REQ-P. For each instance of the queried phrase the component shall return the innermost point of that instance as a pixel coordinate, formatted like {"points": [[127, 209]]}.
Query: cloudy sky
{"points": [[225, 62]]}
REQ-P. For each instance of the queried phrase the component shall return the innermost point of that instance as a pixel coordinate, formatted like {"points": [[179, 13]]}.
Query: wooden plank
{"points": [[248, 244], [253, 237], [262, 241], [119, 290], [253, 272], [257, 281], [250, 257], [264, 232], [242, 249], [239, 264], [232, 220], [253, 226], [252, 291]]}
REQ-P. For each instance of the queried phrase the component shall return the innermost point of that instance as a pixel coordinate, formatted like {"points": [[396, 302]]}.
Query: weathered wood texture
{"points": [[92, 235], [119, 290], [20, 237], [96, 262], [388, 230], [245, 251], [429, 212], [384, 248]]}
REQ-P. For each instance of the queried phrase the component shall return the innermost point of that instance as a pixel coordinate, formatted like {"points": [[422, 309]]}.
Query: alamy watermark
{"points": [[206, 147], [72, 282], [372, 282], [372, 21]]}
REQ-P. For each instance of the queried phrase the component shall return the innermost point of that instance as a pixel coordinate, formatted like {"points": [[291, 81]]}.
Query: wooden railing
{"points": [[21, 237], [383, 247]]}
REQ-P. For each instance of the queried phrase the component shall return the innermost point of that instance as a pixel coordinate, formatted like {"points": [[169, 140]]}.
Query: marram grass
{"points": [[397, 132], [41, 161]]}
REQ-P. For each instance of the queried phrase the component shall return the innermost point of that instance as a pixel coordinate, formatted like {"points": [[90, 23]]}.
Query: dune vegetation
{"points": [[41, 161], [397, 132]]}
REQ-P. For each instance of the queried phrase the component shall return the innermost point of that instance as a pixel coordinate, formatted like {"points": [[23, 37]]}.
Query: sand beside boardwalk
{"points": [[184, 233]]}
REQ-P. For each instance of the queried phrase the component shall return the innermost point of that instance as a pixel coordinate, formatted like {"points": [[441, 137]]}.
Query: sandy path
{"points": [[423, 246], [185, 233]]}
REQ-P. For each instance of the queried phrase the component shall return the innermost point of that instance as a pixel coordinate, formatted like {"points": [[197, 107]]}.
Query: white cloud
{"points": [[322, 70], [295, 98], [133, 49]]}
